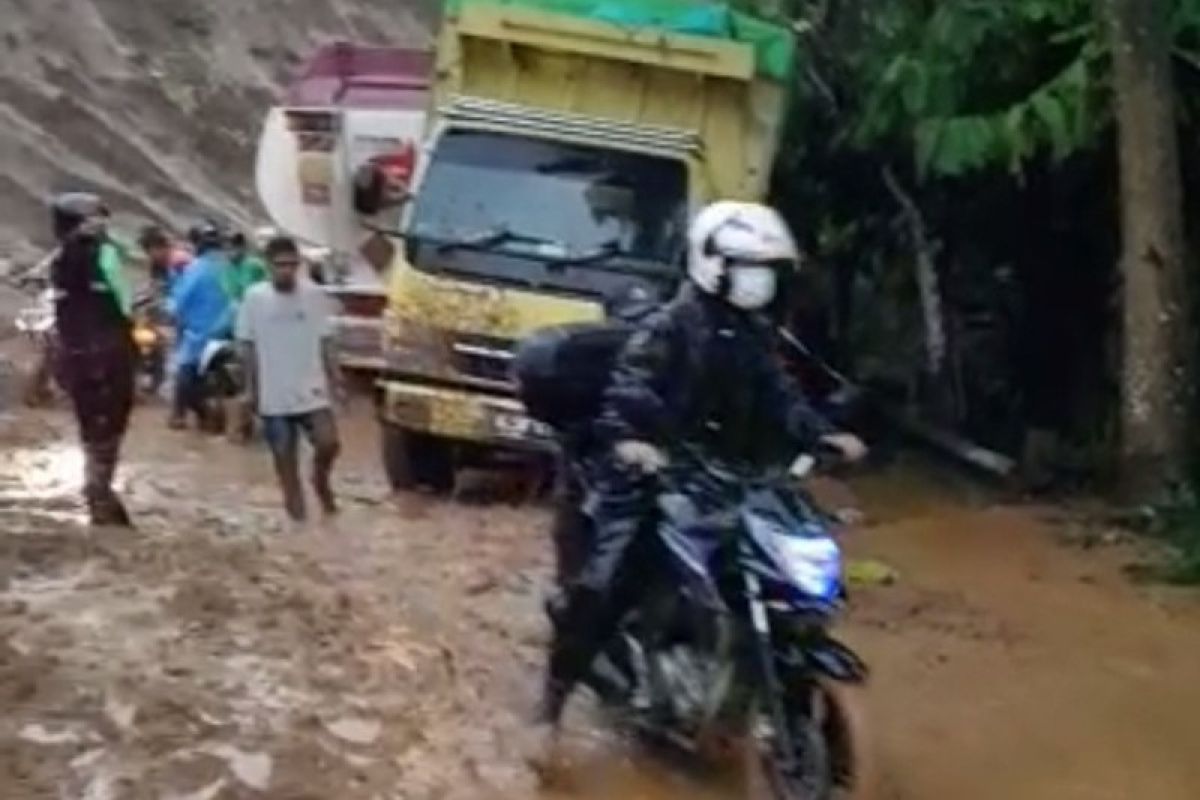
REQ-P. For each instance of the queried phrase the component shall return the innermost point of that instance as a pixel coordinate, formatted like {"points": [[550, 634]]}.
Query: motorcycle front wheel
{"points": [[836, 759]]}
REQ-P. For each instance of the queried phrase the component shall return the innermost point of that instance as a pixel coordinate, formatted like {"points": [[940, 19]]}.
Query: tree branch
{"points": [[1191, 59]]}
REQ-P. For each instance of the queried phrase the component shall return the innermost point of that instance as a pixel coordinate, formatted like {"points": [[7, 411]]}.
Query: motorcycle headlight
{"points": [[811, 559], [144, 336]]}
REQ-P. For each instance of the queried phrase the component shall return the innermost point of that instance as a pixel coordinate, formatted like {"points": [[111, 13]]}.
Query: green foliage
{"points": [[964, 86], [968, 85], [980, 109], [972, 85]]}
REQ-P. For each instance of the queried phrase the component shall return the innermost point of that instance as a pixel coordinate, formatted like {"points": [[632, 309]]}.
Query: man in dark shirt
{"points": [[95, 357]]}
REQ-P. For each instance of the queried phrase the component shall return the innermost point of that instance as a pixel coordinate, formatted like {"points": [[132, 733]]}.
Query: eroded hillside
{"points": [[155, 103]]}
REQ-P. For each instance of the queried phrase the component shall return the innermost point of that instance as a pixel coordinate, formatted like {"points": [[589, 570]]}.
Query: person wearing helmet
{"points": [[702, 372], [202, 312], [95, 355]]}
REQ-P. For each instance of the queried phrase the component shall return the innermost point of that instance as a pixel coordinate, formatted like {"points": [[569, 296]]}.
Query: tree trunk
{"points": [[1156, 380], [938, 390]]}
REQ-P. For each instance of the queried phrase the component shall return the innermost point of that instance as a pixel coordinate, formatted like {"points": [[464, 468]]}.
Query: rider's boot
{"points": [[552, 703]]}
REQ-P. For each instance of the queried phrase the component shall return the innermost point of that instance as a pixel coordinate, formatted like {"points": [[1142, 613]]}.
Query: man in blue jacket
{"points": [[202, 312]]}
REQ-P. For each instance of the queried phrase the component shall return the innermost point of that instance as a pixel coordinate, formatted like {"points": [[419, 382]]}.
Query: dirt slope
{"points": [[155, 103]]}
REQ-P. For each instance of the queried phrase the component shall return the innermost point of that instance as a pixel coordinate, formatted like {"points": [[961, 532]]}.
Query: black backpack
{"points": [[563, 372]]}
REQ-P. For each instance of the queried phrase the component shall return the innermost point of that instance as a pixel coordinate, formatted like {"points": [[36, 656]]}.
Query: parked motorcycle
{"points": [[730, 649]]}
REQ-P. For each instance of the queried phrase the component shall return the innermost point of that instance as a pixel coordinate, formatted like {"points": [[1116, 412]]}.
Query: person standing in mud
{"points": [[285, 327], [95, 356]]}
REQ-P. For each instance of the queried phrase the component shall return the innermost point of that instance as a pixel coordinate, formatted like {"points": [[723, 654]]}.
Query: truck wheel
{"points": [[416, 460]]}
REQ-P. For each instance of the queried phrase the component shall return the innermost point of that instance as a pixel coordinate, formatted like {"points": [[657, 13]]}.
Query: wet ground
{"points": [[216, 653]]}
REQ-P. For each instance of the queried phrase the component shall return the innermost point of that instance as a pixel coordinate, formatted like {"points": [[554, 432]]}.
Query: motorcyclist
{"points": [[581, 442], [166, 258], [202, 313], [95, 355], [703, 372]]}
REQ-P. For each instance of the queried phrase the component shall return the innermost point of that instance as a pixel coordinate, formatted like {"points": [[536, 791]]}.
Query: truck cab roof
{"points": [[345, 75]]}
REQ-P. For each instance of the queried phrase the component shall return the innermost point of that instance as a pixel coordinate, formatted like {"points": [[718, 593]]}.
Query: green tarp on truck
{"points": [[774, 45]]}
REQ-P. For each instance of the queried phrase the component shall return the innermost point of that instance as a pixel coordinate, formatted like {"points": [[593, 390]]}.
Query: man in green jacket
{"points": [[245, 269]]}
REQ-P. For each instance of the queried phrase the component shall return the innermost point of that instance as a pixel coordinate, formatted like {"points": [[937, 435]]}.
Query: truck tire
{"points": [[414, 460]]}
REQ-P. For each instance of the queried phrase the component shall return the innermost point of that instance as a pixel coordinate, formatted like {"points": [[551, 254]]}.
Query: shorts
{"points": [[283, 432]]}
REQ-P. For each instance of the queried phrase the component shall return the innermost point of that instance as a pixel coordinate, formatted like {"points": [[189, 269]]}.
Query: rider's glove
{"points": [[802, 467], [848, 446], [642, 456]]}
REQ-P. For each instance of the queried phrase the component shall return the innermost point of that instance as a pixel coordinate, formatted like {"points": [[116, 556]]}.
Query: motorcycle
{"points": [[151, 345], [730, 648], [223, 382], [36, 323]]}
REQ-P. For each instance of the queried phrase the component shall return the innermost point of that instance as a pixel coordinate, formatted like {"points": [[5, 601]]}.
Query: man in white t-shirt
{"points": [[286, 331]]}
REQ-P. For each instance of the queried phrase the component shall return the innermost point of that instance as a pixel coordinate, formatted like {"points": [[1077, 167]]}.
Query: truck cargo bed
{"points": [[641, 75]]}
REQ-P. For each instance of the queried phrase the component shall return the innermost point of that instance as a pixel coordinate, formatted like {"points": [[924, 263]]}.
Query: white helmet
{"points": [[736, 249]]}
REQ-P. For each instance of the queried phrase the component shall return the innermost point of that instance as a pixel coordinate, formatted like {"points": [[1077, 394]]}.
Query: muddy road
{"points": [[215, 653]]}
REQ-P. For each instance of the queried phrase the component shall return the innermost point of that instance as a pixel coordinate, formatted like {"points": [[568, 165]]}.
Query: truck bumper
{"points": [[468, 416], [359, 342]]}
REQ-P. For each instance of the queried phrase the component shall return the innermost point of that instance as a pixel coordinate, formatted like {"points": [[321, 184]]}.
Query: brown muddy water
{"points": [[216, 653]]}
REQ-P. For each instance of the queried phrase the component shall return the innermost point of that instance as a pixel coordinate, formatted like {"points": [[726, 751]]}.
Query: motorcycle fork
{"points": [[772, 689]]}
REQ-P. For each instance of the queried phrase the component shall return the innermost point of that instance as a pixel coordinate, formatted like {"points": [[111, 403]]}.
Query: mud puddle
{"points": [[394, 653]]}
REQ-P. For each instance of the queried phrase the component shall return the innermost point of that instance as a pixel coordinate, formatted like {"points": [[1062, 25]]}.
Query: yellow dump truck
{"points": [[568, 143]]}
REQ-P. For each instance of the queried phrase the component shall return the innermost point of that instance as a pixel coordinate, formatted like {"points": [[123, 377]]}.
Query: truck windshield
{"points": [[565, 206]]}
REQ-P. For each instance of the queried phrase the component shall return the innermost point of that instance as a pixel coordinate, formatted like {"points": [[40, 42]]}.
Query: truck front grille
{"points": [[483, 357]]}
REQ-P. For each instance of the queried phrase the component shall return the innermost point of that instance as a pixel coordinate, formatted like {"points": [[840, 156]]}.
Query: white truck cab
{"points": [[352, 111]]}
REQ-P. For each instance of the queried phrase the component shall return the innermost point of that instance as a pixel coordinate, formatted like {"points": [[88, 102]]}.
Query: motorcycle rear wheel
{"points": [[839, 757], [151, 374]]}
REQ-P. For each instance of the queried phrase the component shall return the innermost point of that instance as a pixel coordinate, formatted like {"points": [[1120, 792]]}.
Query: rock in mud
{"points": [[36, 733], [120, 713], [355, 731], [209, 792], [253, 770], [481, 584]]}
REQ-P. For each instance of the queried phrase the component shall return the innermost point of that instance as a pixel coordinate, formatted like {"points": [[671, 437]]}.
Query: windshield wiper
{"points": [[608, 257], [488, 240], [604, 253], [611, 257]]}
